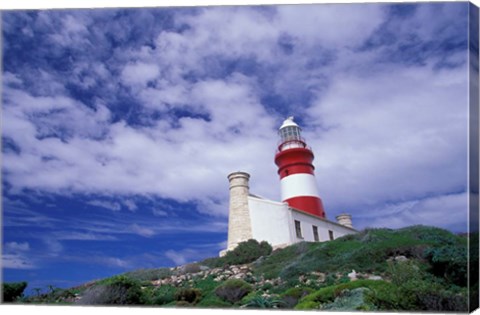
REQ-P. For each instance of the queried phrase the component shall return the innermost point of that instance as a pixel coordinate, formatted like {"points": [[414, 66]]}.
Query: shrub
{"points": [[328, 294], [189, 295], [414, 289], [191, 268], [213, 301], [264, 302], [350, 300], [149, 274], [450, 262], [163, 295], [119, 290], [247, 252], [206, 285], [12, 291], [233, 290], [291, 297]]}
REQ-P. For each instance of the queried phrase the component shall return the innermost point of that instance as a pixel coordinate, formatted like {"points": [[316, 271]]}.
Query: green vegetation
{"points": [[416, 269], [13, 291], [188, 296], [119, 290], [245, 252], [233, 290], [259, 301], [149, 274]]}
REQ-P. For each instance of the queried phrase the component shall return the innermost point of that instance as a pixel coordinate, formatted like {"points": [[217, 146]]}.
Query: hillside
{"points": [[416, 268]]}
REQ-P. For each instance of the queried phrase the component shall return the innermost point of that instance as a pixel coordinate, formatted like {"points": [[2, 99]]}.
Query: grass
{"points": [[434, 277]]}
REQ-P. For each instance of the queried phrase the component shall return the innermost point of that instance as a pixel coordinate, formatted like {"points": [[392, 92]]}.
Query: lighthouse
{"points": [[297, 179], [299, 217]]}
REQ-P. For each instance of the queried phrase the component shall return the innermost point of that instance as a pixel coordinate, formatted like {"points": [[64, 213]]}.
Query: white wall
{"points": [[270, 221], [273, 222], [306, 223]]}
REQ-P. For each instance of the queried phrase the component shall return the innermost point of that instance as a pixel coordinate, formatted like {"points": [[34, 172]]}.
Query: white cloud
{"points": [[181, 257], [15, 261], [159, 213], [82, 236], [381, 132], [331, 25], [130, 204], [17, 247], [141, 230], [139, 73], [446, 211], [114, 206], [54, 247], [386, 137]]}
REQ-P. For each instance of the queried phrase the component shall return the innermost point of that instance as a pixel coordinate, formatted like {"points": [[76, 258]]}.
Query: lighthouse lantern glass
{"points": [[290, 133]]}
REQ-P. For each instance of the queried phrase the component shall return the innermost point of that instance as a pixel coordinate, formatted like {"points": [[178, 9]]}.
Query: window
{"points": [[330, 233], [315, 233], [298, 229]]}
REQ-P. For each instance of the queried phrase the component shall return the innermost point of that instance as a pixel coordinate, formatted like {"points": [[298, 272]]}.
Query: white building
{"points": [[300, 217]]}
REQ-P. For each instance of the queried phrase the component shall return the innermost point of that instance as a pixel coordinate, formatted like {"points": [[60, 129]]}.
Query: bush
{"points": [[291, 297], [414, 289], [149, 274], [188, 295], [12, 291], [264, 302], [163, 295], [213, 301], [233, 290], [191, 268], [119, 290], [350, 300], [450, 262], [247, 252], [328, 294]]}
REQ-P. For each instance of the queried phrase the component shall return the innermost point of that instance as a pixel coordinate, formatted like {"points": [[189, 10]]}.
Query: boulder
{"points": [[375, 278], [352, 275]]}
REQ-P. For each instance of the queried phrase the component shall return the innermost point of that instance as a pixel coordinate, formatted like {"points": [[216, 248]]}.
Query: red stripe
{"points": [[294, 161], [309, 204]]}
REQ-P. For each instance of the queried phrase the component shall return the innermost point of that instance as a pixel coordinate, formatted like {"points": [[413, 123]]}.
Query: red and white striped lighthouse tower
{"points": [[294, 160]]}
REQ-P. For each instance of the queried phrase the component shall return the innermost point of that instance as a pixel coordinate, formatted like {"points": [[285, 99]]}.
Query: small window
{"points": [[330, 234], [298, 229], [315, 233]]}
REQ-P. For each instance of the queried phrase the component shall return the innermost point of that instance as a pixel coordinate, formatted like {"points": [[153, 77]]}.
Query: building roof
{"points": [[288, 122]]}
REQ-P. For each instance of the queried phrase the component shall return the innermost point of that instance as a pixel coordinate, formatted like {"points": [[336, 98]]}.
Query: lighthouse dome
{"points": [[288, 123]]}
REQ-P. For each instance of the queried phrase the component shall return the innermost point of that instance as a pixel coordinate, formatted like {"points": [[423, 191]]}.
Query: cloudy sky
{"points": [[120, 126]]}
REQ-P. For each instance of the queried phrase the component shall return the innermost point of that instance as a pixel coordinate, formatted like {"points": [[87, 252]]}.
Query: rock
{"points": [[352, 275], [375, 278], [321, 276], [157, 282], [401, 258], [204, 268]]}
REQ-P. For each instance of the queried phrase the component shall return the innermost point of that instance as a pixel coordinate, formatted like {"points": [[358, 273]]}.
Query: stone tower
{"points": [[239, 224], [345, 219]]}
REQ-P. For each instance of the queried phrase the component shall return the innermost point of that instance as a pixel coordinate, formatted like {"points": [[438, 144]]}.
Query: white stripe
{"points": [[297, 185]]}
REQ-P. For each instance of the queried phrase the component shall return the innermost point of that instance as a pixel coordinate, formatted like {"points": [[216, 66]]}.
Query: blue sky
{"points": [[120, 126]]}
